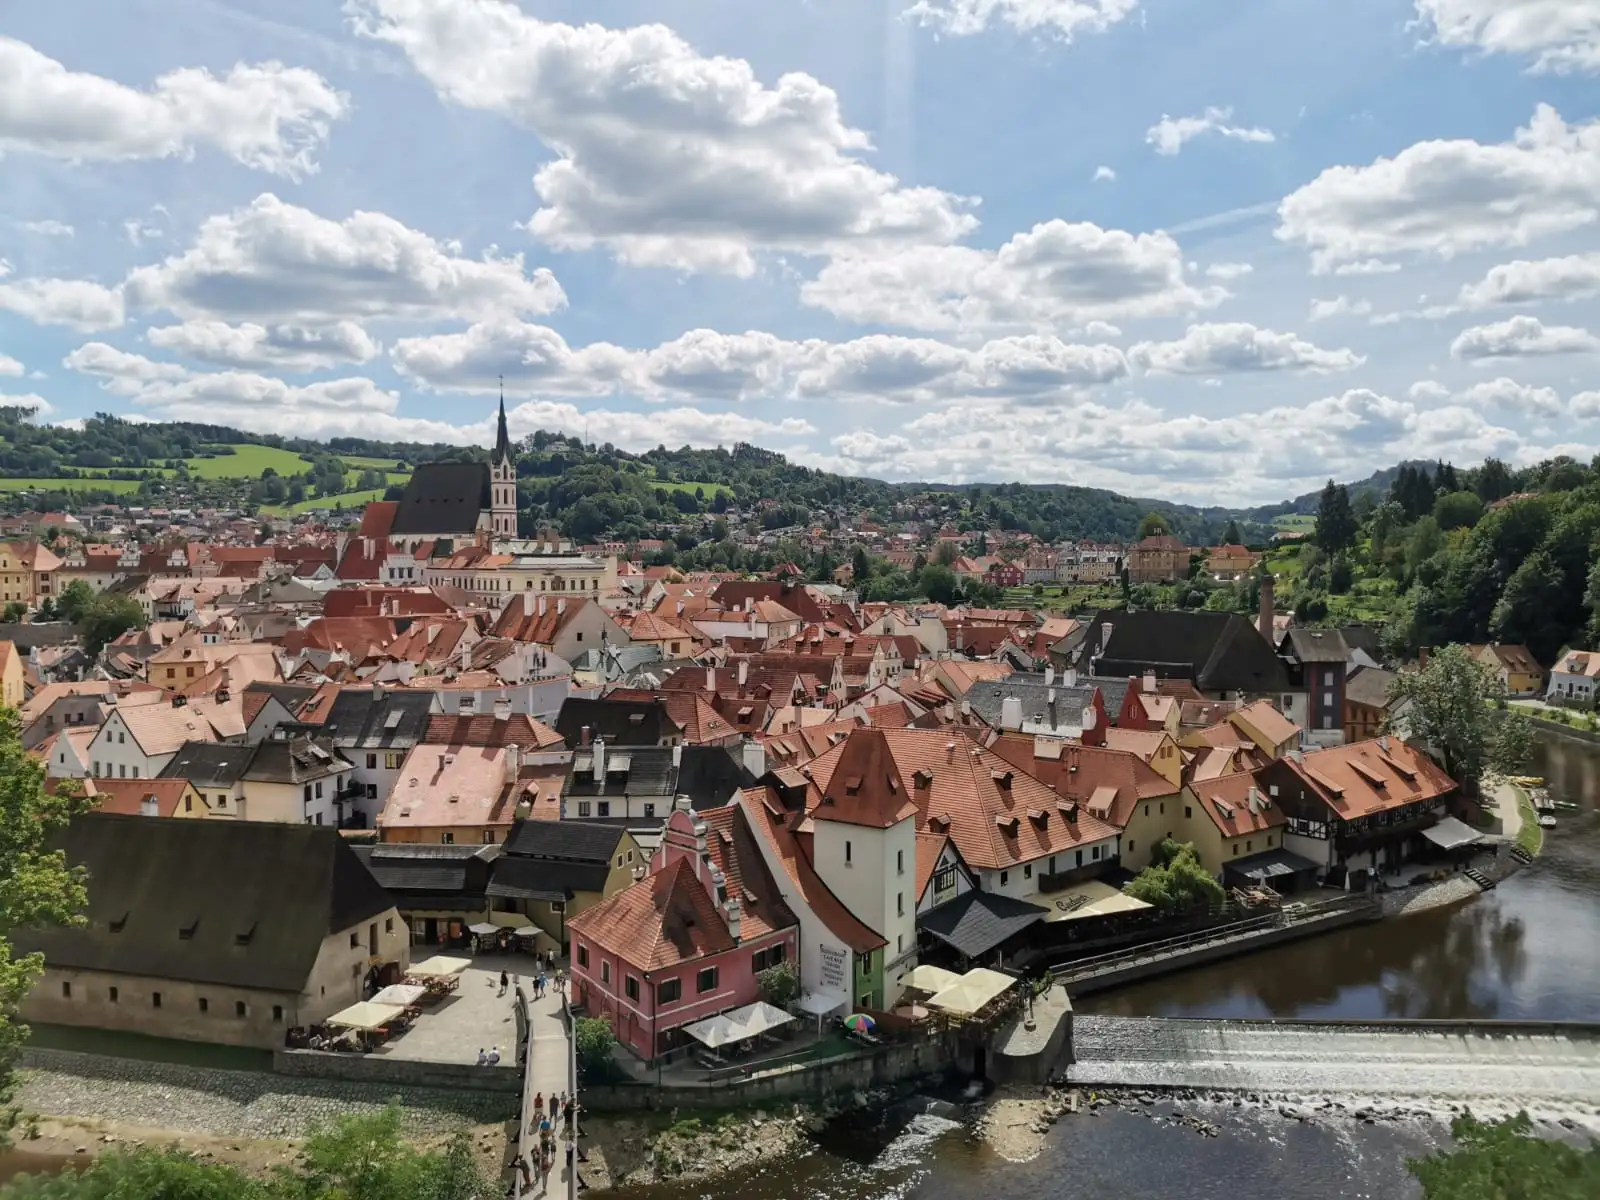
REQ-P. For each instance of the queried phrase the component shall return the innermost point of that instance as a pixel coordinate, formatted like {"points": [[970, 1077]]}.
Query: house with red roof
{"points": [[686, 942]]}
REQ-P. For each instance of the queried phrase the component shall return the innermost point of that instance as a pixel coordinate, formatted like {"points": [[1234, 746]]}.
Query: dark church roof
{"points": [[502, 440], [443, 497]]}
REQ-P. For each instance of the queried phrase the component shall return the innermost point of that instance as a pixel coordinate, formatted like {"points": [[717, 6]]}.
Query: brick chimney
{"points": [[1264, 621]]}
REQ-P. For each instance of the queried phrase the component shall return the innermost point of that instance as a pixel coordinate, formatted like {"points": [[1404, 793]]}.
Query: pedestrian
{"points": [[539, 987], [505, 981], [538, 1104], [483, 1059], [494, 1057], [522, 1169]]}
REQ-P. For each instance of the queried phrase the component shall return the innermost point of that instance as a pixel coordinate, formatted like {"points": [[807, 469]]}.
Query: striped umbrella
{"points": [[859, 1023]]}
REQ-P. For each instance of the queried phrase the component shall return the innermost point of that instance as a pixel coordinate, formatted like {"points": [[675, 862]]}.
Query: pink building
{"points": [[687, 941]]}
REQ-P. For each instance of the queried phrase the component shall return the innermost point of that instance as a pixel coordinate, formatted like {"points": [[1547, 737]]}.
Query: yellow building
{"points": [[550, 871], [1229, 819], [27, 573], [11, 677]]}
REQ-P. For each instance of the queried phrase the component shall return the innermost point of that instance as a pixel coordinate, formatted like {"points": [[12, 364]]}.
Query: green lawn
{"points": [[247, 462], [1295, 522], [346, 501], [1530, 837], [120, 486]]}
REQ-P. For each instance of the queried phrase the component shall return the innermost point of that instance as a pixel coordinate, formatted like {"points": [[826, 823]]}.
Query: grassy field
{"points": [[1295, 522], [347, 500], [120, 486], [379, 464], [247, 462], [1530, 837]]}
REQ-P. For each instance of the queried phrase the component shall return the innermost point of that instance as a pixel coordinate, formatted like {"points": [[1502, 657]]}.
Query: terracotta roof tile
{"points": [[664, 920]]}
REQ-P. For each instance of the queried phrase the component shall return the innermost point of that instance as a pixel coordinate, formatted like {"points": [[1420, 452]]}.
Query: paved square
{"points": [[475, 1017]]}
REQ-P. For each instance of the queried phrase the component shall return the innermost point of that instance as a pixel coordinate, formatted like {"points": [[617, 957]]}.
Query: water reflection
{"points": [[1530, 949]]}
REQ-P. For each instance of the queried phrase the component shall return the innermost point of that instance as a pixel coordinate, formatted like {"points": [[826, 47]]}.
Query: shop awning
{"points": [[484, 929], [929, 978], [439, 966], [1091, 898], [366, 1015], [1451, 834], [736, 1026], [403, 994], [821, 1003], [974, 991], [1269, 865]]}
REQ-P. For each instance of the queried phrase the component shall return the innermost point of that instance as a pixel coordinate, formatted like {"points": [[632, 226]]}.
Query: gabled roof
{"points": [[865, 787], [1314, 645], [443, 498], [731, 843], [930, 845], [486, 730], [243, 904], [976, 922], [1236, 805], [369, 718], [1369, 776], [664, 920], [1372, 686], [570, 841], [1220, 652], [444, 786], [618, 722], [127, 796], [1267, 721]]}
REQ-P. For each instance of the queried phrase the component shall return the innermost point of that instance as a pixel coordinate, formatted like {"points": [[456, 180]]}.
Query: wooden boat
{"points": [[1528, 780], [1547, 822]]}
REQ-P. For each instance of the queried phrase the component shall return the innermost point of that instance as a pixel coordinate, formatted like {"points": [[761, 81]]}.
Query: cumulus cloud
{"points": [[1339, 306], [1104, 174], [1059, 18], [274, 261], [267, 116], [1513, 397], [1236, 347], [47, 228], [10, 366], [1169, 134], [279, 347], [1574, 277], [1448, 197], [1522, 337], [76, 303], [1055, 274], [1559, 35], [1585, 406], [665, 156], [1029, 369], [1226, 271]]}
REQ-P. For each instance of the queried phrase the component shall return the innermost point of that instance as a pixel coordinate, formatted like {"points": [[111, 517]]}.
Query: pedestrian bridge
{"points": [[1506, 1061]]}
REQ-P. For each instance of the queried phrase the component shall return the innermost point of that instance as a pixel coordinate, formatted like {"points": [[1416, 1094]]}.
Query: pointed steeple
{"points": [[502, 441]]}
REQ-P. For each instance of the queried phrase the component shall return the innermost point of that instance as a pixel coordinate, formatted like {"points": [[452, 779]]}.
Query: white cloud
{"points": [[1104, 174], [269, 117], [1428, 389], [1170, 133], [10, 366], [1559, 35], [665, 156], [279, 347], [1226, 271], [532, 358], [1059, 18], [1445, 198], [1339, 306], [1522, 337], [1575, 277], [120, 372], [1055, 274], [41, 407], [1514, 397], [1235, 347], [1031, 369], [1370, 266], [273, 261], [47, 228], [1585, 406], [75, 303]]}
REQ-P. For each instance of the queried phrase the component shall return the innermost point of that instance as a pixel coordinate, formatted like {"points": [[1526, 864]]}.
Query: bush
{"points": [[779, 985], [1175, 880], [595, 1043]]}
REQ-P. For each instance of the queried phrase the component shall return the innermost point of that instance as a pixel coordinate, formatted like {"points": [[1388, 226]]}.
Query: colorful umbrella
{"points": [[859, 1023]]}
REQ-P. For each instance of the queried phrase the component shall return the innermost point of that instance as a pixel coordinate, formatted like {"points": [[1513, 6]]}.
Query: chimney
{"points": [[744, 671], [683, 804], [1069, 677], [677, 759], [561, 606], [149, 808], [1011, 713], [1049, 676], [379, 693], [544, 603], [1422, 657], [961, 638], [966, 709], [755, 757], [1105, 636], [502, 708], [734, 909], [584, 735], [1088, 719], [950, 752], [600, 762], [711, 679], [513, 762], [1264, 622], [1149, 685]]}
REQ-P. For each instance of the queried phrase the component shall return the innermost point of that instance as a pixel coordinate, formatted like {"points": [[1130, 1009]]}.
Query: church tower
{"points": [[503, 481]]}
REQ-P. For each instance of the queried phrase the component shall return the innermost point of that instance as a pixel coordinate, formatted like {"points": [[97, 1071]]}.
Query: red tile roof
{"points": [[485, 730], [865, 787], [1227, 801], [664, 920], [1364, 777]]}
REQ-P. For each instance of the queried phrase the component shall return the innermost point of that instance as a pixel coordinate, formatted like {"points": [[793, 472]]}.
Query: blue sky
{"points": [[1214, 252]]}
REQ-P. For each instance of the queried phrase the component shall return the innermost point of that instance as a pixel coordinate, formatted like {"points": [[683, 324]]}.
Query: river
{"points": [[1529, 949]]}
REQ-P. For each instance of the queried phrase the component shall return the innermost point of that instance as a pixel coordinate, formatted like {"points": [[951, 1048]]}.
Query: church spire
{"points": [[502, 441]]}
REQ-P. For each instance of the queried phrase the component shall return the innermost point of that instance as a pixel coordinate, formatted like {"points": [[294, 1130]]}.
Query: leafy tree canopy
{"points": [[1505, 1160]]}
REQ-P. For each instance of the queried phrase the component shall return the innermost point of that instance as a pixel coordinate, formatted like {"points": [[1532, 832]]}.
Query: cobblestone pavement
{"points": [[227, 1103]]}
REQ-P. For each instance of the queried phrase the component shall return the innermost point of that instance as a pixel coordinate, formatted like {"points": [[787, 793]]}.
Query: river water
{"points": [[1530, 949]]}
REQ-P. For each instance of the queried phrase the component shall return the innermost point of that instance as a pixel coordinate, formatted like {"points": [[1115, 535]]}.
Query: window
{"points": [[583, 808], [899, 862], [372, 762], [649, 811], [306, 792], [583, 955], [136, 770], [488, 837], [1147, 810], [1163, 808], [669, 991], [355, 941], [944, 878], [66, 991], [319, 789], [1005, 877], [277, 1012], [96, 766], [603, 808], [1247, 847], [1027, 870], [1131, 845], [391, 761], [605, 972], [900, 904], [388, 924], [899, 942], [770, 957], [848, 851], [1094, 853], [1188, 811], [1079, 861], [111, 994], [706, 980], [447, 839], [155, 999], [631, 987], [122, 771], [1236, 850], [188, 804], [205, 1005], [121, 738]]}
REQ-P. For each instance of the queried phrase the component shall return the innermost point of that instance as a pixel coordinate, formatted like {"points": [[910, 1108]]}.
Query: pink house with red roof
{"points": [[688, 940]]}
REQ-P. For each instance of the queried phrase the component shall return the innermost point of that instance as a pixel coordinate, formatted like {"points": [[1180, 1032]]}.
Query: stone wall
{"points": [[809, 1082], [400, 1072]]}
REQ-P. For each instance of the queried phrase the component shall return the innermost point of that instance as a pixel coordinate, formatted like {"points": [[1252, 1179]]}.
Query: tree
{"points": [[108, 618], [779, 984], [860, 566], [37, 888], [1230, 535], [1530, 609], [1336, 523], [74, 601], [595, 1043], [946, 554], [1175, 880], [1493, 481], [14, 612], [1448, 707], [938, 583], [47, 610], [1340, 575], [1506, 1160], [1153, 525], [1457, 510]]}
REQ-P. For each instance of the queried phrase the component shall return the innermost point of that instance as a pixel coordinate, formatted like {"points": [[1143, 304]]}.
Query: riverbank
{"points": [[630, 1151]]}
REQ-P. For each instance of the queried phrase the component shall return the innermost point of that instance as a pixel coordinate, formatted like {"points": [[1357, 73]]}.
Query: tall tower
{"points": [[503, 480]]}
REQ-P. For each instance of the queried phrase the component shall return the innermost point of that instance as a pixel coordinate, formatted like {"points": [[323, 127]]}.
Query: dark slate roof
{"points": [[45, 633], [410, 868], [443, 497], [1220, 652], [290, 695], [214, 763], [296, 760], [255, 899], [619, 722], [710, 775], [361, 719], [1369, 686], [573, 841], [545, 879], [1315, 645], [987, 695], [1364, 637], [651, 772], [975, 922]]}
